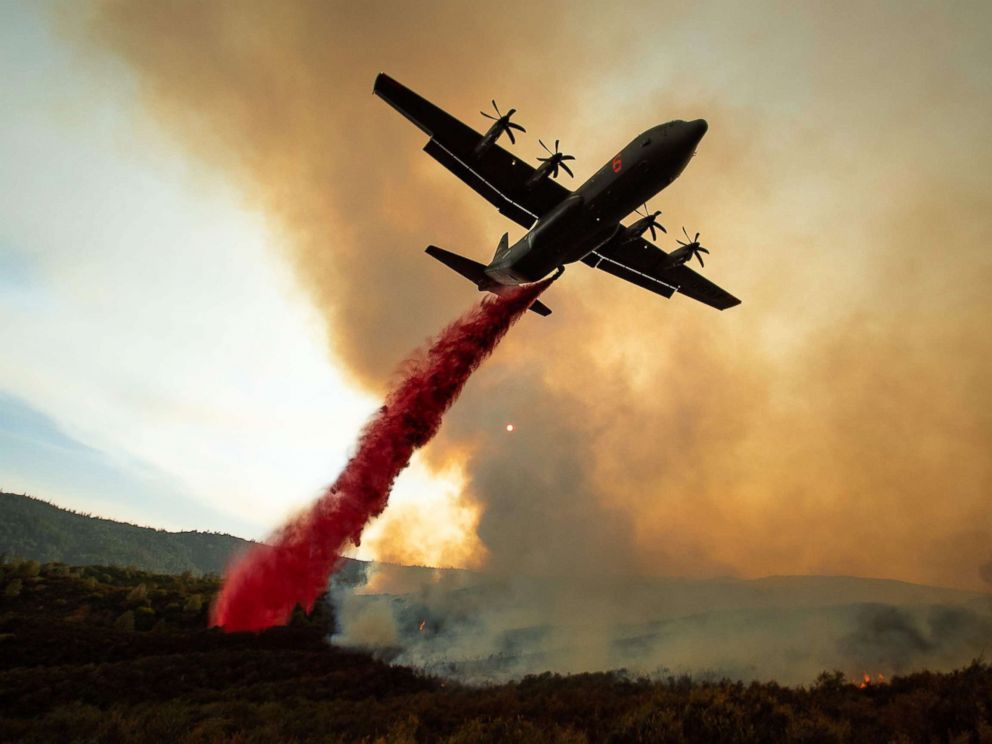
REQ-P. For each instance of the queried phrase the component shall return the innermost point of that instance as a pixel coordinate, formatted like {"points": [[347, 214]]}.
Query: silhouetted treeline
{"points": [[115, 654], [34, 529]]}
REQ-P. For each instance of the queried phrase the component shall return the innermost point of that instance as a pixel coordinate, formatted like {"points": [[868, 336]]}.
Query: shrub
{"points": [[29, 569]]}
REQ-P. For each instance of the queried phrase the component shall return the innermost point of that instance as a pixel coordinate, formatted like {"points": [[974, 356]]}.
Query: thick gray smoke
{"points": [[481, 628]]}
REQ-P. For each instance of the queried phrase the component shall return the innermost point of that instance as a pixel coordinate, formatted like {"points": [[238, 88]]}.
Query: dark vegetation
{"points": [[34, 529], [116, 654]]}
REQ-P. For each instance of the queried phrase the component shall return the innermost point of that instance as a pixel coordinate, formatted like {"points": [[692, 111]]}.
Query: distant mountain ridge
{"points": [[33, 529]]}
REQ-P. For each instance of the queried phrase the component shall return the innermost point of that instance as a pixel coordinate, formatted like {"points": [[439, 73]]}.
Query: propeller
{"points": [[652, 221], [503, 121], [695, 249], [557, 159]]}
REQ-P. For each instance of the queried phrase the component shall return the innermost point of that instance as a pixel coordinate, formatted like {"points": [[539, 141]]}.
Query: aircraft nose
{"points": [[693, 132]]}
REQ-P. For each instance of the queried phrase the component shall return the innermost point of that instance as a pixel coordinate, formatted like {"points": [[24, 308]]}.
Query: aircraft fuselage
{"points": [[590, 217]]}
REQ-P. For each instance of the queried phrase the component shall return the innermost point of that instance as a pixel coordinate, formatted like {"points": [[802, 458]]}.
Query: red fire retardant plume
{"points": [[265, 584]]}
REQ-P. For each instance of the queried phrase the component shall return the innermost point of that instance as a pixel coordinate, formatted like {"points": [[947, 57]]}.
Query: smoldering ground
{"points": [[481, 628]]}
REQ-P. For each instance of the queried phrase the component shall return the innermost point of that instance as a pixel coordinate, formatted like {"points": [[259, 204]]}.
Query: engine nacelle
{"points": [[680, 255], [637, 230]]}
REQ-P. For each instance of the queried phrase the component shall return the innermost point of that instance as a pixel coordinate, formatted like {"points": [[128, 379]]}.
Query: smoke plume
{"points": [[267, 582], [837, 422]]}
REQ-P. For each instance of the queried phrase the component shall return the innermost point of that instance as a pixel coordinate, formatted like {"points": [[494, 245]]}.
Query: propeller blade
{"points": [[700, 260], [703, 250], [513, 140], [544, 146], [488, 116], [510, 113], [654, 235], [685, 233], [514, 125], [662, 228], [696, 239], [497, 108], [568, 157], [554, 171], [556, 145], [567, 170], [543, 160], [681, 243]]}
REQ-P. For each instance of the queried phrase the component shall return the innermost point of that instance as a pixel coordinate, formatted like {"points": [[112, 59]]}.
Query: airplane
{"points": [[566, 226]]}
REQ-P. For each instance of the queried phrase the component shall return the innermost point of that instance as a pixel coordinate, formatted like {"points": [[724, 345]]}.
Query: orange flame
{"points": [[867, 681], [423, 624]]}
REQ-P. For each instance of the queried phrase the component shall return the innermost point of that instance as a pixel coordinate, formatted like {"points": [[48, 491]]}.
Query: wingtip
{"points": [[379, 80]]}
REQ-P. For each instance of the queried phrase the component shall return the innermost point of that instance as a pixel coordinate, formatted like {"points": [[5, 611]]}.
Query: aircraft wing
{"points": [[646, 265], [496, 174]]}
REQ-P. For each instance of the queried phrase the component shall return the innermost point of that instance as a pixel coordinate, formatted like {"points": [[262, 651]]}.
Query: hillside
{"points": [[479, 627], [487, 628], [36, 530], [114, 654]]}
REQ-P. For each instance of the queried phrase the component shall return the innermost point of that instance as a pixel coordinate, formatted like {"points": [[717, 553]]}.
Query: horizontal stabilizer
{"points": [[540, 308], [474, 271]]}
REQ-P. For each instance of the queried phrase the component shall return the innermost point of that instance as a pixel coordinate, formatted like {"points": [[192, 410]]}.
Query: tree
{"points": [[137, 595], [29, 569], [194, 603], [125, 621], [13, 588]]}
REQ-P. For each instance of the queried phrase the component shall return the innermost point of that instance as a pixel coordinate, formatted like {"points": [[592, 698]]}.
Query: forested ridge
{"points": [[37, 530], [116, 654]]}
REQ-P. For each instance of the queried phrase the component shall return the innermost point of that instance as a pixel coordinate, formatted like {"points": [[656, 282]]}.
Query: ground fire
{"points": [[867, 681]]}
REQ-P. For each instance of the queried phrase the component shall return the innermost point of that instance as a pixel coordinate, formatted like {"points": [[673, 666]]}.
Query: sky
{"points": [[211, 258], [168, 370]]}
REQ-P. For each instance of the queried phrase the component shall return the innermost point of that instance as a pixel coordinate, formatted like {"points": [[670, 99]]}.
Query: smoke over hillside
{"points": [[789, 629]]}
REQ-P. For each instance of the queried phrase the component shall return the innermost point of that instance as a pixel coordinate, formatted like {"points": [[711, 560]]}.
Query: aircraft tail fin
{"points": [[475, 272], [502, 248]]}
